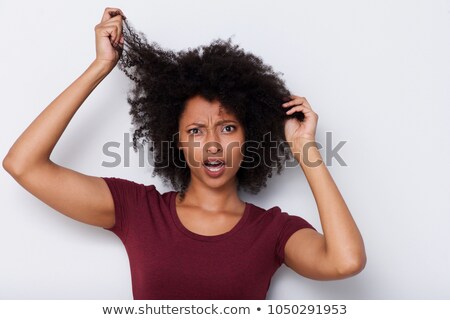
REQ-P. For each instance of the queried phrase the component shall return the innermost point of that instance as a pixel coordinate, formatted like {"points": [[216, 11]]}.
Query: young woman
{"points": [[219, 120]]}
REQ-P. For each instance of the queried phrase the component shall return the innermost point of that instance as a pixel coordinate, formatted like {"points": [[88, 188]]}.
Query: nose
{"points": [[213, 147], [212, 142]]}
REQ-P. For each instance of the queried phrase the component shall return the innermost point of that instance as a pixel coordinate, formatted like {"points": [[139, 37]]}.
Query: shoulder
{"points": [[279, 226], [275, 214], [277, 220], [135, 192], [130, 189], [125, 183], [255, 209]]}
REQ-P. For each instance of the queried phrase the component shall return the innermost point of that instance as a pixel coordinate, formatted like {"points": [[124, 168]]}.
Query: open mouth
{"points": [[214, 166]]}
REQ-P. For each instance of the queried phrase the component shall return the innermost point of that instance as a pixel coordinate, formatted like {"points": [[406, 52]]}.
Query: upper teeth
{"points": [[214, 162]]}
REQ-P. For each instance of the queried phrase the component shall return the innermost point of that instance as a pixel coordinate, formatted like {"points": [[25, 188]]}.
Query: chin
{"points": [[216, 183]]}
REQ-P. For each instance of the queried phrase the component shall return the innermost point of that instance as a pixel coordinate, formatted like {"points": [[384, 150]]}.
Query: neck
{"points": [[213, 199]]}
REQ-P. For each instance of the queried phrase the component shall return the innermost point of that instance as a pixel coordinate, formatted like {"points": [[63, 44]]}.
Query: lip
{"points": [[214, 174]]}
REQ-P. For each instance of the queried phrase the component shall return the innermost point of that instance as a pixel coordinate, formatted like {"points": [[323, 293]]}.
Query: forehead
{"points": [[198, 108]]}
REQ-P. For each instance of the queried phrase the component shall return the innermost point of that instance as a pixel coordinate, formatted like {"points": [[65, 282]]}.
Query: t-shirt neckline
{"points": [[201, 237]]}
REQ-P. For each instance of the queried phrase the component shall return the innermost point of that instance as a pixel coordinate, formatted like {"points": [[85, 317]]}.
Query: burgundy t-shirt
{"points": [[169, 262]]}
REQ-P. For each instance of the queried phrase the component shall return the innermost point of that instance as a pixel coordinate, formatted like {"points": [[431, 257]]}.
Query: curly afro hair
{"points": [[241, 82]]}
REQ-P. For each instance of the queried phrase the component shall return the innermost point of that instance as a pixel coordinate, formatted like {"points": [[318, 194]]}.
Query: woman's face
{"points": [[211, 140]]}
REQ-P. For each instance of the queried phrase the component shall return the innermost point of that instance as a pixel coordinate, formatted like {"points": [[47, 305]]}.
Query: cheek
{"points": [[192, 151], [194, 157]]}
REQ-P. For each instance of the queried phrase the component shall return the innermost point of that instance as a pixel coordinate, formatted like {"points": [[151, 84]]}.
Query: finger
{"points": [[303, 102], [291, 111], [292, 103], [306, 104], [115, 28], [107, 13], [118, 12], [295, 99], [110, 32], [118, 20], [300, 108]]}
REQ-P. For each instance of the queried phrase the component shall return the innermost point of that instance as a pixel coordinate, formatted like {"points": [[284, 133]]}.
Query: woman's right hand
{"points": [[108, 36]]}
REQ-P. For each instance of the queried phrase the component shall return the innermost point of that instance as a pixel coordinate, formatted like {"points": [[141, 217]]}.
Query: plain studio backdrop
{"points": [[376, 72]]}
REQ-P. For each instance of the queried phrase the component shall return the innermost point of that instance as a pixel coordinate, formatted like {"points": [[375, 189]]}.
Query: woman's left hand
{"points": [[296, 131]]}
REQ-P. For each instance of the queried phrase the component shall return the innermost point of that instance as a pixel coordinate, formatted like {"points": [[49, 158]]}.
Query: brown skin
{"points": [[211, 206], [81, 197], [339, 253]]}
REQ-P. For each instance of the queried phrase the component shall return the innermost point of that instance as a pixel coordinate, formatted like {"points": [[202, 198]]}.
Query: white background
{"points": [[376, 72]]}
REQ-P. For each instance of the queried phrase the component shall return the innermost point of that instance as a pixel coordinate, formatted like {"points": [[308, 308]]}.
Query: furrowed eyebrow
{"points": [[225, 121], [217, 123]]}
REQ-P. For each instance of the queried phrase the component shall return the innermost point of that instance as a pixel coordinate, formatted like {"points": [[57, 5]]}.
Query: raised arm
{"points": [[339, 252], [81, 197]]}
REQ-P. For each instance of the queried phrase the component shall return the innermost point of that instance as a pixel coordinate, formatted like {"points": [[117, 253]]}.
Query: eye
{"points": [[229, 128], [194, 131]]}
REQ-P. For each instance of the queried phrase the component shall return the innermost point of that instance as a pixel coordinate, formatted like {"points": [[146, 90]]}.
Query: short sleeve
{"points": [[128, 196], [290, 225]]}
